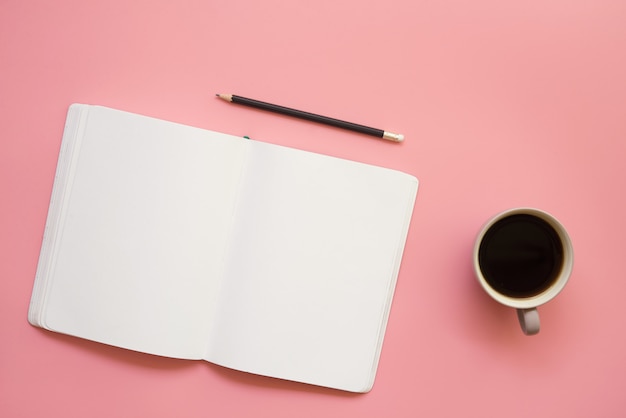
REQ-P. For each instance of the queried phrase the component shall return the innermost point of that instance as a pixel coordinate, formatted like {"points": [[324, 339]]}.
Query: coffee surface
{"points": [[521, 255]]}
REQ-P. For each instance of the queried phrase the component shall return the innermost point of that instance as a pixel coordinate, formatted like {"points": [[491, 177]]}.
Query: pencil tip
{"points": [[227, 97]]}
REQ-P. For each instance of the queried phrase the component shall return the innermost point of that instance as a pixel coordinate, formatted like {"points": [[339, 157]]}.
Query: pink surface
{"points": [[502, 104]]}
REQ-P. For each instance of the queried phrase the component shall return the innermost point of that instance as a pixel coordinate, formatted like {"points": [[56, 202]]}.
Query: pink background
{"points": [[503, 103]]}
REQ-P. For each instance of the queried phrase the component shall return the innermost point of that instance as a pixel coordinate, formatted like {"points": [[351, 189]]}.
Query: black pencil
{"points": [[312, 117]]}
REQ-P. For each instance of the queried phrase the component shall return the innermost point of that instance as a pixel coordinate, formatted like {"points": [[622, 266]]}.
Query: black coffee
{"points": [[520, 255]]}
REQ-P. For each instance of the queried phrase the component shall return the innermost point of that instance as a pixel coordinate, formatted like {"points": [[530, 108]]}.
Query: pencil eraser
{"points": [[393, 137]]}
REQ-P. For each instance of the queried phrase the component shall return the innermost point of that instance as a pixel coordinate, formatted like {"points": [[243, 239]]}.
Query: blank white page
{"points": [[314, 258], [144, 229]]}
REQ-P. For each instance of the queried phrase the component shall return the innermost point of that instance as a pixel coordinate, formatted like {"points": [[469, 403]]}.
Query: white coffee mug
{"points": [[523, 258]]}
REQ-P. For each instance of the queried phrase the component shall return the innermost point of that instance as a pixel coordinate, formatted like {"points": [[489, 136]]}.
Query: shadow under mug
{"points": [[523, 258]]}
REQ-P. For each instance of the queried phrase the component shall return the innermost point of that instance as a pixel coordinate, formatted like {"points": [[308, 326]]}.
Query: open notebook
{"points": [[182, 242]]}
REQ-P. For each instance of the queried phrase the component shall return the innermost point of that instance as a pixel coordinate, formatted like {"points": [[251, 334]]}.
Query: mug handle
{"points": [[529, 320]]}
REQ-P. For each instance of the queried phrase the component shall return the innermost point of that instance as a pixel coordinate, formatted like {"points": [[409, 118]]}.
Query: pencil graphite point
{"points": [[227, 97]]}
